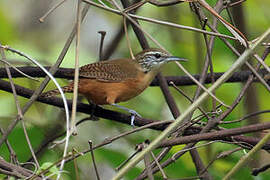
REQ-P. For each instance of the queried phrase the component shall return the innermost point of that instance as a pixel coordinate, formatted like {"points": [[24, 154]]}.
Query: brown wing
{"points": [[112, 70]]}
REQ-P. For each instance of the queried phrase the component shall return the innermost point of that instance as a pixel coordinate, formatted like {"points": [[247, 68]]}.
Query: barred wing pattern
{"points": [[108, 71]]}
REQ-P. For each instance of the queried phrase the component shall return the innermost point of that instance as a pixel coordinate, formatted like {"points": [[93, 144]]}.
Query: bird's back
{"points": [[110, 71]]}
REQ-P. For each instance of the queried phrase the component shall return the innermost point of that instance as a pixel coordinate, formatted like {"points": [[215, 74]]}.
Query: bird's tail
{"points": [[51, 93]]}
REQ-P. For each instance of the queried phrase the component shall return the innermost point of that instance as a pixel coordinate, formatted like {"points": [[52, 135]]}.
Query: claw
{"points": [[132, 112], [132, 120]]}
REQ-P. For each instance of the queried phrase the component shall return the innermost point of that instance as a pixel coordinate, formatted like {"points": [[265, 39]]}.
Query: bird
{"points": [[112, 81]]}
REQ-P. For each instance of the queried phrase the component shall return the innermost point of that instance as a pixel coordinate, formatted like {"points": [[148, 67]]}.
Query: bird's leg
{"points": [[92, 116], [131, 111], [93, 108]]}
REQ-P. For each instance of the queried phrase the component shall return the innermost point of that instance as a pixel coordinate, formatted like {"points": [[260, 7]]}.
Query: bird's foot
{"points": [[133, 115], [93, 118], [131, 111]]}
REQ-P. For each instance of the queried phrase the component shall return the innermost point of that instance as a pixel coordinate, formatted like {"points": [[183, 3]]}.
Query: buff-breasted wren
{"points": [[113, 81]]}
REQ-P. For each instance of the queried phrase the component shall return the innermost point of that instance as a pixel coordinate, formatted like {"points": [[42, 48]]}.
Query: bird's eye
{"points": [[157, 55]]}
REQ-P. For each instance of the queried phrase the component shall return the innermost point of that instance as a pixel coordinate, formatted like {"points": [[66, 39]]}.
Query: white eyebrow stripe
{"points": [[150, 53]]}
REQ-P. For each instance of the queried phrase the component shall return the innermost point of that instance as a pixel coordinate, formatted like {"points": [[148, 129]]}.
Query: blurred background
{"points": [[20, 28]]}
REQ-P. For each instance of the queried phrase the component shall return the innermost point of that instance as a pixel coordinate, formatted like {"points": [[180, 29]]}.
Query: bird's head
{"points": [[153, 59]]}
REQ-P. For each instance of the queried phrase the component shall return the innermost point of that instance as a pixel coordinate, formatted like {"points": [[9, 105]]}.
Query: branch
{"points": [[65, 73], [14, 170], [226, 134], [83, 108], [191, 133]]}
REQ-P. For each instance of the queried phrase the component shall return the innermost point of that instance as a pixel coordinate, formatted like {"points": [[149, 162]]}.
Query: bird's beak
{"points": [[175, 58]]}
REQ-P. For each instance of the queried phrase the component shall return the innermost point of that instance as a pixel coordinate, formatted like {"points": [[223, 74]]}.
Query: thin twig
{"points": [[238, 54], [101, 2], [14, 67], [247, 157], [215, 135], [221, 155], [259, 59], [30, 145], [93, 159], [147, 163], [127, 38], [159, 21], [75, 164], [103, 34], [229, 13], [43, 171], [134, 6], [245, 117], [236, 3], [167, 2], [13, 156], [76, 73], [238, 34], [128, 159], [160, 168], [50, 11], [188, 98], [18, 107], [135, 23], [109, 140], [199, 84]]}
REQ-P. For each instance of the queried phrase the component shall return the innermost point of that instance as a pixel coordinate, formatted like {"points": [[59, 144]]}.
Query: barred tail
{"points": [[51, 93]]}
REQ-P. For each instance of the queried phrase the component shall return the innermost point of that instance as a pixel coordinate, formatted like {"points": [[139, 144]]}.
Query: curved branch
{"points": [[14, 170]]}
